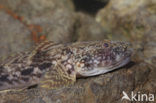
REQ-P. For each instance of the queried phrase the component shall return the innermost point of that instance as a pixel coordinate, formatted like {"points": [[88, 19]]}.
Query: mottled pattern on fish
{"points": [[53, 65]]}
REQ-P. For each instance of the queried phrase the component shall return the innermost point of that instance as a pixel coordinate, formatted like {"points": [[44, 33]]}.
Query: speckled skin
{"points": [[53, 65]]}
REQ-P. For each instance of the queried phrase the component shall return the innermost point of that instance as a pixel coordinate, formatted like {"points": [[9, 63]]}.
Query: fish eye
{"points": [[106, 44]]}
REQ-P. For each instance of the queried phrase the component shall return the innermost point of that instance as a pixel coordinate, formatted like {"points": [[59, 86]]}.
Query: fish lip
{"points": [[125, 61]]}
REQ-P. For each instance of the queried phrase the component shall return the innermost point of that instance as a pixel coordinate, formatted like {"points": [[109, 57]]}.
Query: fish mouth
{"points": [[122, 63], [125, 59]]}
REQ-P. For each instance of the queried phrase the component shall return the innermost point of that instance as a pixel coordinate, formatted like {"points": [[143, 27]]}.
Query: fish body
{"points": [[52, 65]]}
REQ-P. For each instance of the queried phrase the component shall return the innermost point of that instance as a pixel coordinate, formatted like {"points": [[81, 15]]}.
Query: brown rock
{"points": [[150, 49], [129, 19], [55, 18], [14, 36], [86, 28]]}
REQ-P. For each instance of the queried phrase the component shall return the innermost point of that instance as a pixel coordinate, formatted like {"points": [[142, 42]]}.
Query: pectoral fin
{"points": [[58, 77]]}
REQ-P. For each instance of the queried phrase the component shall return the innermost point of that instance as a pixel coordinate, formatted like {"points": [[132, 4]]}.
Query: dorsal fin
{"points": [[45, 45]]}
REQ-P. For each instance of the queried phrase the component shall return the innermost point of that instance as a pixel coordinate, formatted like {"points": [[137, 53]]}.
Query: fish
{"points": [[53, 65]]}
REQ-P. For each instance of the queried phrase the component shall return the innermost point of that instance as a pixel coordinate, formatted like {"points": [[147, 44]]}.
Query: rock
{"points": [[56, 21], [87, 29], [150, 49], [129, 19], [54, 18], [15, 37]]}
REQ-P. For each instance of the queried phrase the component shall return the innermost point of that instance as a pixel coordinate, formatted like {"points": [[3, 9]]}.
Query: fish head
{"points": [[102, 57]]}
